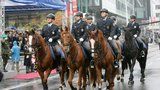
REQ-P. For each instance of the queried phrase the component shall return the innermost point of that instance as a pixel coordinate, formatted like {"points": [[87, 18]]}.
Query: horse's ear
{"points": [[64, 28], [88, 32], [32, 31]]}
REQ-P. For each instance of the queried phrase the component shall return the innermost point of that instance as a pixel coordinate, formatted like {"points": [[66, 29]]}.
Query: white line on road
{"points": [[29, 83]]}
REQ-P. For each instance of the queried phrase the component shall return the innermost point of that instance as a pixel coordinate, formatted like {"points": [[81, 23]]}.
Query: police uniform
{"points": [[78, 28], [91, 26], [134, 27], [51, 31], [105, 25], [115, 30]]}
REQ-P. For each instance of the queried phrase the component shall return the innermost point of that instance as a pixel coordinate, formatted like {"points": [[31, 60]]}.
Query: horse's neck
{"points": [[104, 46], [130, 43], [41, 51]]}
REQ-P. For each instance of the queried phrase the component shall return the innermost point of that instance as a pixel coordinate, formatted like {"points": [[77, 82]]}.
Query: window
{"points": [[157, 6], [157, 14]]}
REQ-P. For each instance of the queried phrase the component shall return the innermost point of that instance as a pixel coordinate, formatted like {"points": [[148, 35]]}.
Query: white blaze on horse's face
{"points": [[30, 40], [30, 43], [92, 41]]}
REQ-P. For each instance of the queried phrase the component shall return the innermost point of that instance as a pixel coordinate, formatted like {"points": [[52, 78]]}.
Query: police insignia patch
{"points": [[107, 27], [82, 30]]}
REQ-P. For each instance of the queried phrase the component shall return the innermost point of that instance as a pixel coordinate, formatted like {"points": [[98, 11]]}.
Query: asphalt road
{"points": [[152, 80]]}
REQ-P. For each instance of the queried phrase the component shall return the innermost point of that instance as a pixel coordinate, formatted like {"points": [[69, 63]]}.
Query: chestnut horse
{"points": [[76, 59], [103, 58], [44, 61]]}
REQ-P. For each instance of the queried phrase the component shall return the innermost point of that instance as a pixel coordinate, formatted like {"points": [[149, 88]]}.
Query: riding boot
{"points": [[116, 62]]}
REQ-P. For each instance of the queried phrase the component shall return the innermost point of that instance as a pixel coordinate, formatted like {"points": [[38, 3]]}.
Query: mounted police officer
{"points": [[134, 26], [78, 27], [51, 34], [90, 27], [105, 24]]}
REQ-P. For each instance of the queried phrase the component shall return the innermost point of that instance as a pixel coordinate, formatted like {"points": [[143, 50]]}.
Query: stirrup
{"points": [[116, 64], [92, 64]]}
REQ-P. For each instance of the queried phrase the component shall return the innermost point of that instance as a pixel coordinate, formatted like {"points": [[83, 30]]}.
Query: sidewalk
{"points": [[12, 73]]}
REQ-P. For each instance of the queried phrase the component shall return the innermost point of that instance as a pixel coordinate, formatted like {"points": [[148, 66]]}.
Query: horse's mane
{"points": [[40, 37], [102, 39], [129, 39]]}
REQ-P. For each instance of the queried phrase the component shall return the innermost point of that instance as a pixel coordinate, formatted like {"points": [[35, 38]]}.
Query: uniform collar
{"points": [[90, 24], [50, 24], [79, 21], [105, 18]]}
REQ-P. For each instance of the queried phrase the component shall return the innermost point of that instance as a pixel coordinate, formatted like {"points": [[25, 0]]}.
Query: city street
{"points": [[151, 81]]}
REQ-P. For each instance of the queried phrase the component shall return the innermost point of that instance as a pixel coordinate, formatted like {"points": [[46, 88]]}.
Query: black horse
{"points": [[132, 52]]}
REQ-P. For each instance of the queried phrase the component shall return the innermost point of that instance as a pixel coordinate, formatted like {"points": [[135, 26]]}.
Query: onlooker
{"points": [[27, 58], [5, 50], [15, 55]]}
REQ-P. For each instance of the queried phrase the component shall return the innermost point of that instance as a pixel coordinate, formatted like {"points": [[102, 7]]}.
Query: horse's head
{"points": [[128, 34], [66, 37], [33, 40], [95, 40]]}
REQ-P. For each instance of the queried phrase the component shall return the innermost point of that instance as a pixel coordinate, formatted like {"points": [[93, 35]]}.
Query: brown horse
{"points": [[76, 59], [103, 58], [44, 61]]}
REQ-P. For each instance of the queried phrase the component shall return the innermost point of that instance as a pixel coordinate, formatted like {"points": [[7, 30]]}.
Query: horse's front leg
{"points": [[92, 78], [71, 75], [110, 77], [80, 75], [84, 77], [46, 75], [41, 73], [131, 77], [99, 77], [61, 73]]}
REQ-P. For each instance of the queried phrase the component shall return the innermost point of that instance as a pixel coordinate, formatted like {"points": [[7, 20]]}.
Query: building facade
{"points": [[122, 9]]}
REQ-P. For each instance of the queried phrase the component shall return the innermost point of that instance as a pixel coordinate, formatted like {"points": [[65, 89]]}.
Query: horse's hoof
{"points": [[61, 88], [99, 89], [122, 80], [64, 84], [45, 88], [94, 85], [142, 80], [107, 87], [130, 82], [74, 88], [84, 88], [118, 78]]}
